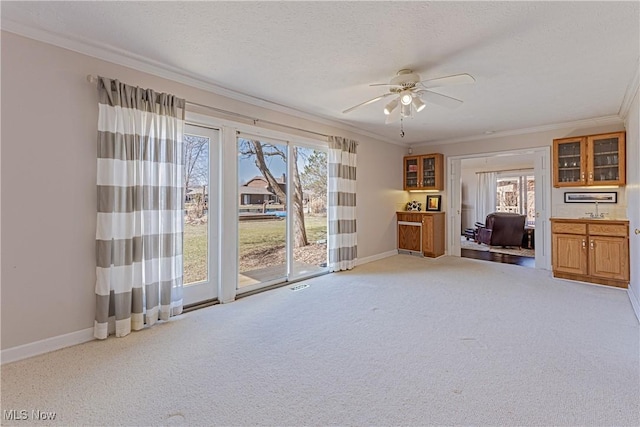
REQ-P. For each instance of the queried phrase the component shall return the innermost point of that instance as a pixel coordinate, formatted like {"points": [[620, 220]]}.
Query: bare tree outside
{"points": [[196, 152], [196, 173], [196, 191], [314, 181], [260, 152]]}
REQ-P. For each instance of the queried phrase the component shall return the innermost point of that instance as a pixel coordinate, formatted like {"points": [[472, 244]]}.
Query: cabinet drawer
{"points": [[569, 228], [608, 229], [410, 217]]}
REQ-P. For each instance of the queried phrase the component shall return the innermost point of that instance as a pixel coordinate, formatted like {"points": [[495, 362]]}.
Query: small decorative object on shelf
{"points": [[414, 206], [433, 203]]}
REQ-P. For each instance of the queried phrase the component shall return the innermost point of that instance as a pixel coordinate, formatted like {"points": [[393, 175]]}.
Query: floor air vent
{"points": [[299, 287]]}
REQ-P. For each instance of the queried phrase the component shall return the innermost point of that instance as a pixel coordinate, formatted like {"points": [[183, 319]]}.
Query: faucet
{"points": [[596, 215]]}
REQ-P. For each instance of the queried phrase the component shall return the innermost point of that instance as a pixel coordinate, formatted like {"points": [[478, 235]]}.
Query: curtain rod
{"points": [[93, 79], [255, 121], [507, 170]]}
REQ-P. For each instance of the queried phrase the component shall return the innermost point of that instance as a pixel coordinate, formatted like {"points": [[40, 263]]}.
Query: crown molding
{"points": [[630, 93], [127, 59], [577, 124]]}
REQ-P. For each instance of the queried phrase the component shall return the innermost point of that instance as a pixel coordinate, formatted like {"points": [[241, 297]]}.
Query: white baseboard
{"points": [[635, 302], [46, 345], [376, 257]]}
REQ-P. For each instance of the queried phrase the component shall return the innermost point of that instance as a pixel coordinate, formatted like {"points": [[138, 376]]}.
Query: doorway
{"points": [[537, 159]]}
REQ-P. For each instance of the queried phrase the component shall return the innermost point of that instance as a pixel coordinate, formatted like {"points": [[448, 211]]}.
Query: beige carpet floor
{"points": [[401, 341]]}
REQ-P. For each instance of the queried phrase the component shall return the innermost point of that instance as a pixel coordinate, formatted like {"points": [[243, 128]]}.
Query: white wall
{"points": [[49, 128]]}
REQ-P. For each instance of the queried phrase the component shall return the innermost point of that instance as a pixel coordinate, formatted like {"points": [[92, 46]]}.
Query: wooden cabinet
{"points": [[410, 236], [595, 251], [424, 172], [589, 160], [421, 232]]}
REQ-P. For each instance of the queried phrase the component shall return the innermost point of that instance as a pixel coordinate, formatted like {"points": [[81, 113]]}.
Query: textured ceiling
{"points": [[535, 63]]}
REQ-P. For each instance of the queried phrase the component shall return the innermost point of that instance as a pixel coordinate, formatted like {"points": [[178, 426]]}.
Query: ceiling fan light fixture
{"points": [[406, 97], [390, 107], [418, 104], [406, 110]]}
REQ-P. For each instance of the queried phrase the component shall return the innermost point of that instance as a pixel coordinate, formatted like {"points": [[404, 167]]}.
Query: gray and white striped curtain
{"points": [[342, 203], [140, 208]]}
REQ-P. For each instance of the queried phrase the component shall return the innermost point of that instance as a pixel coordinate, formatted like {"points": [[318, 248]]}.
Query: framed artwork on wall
{"points": [[591, 197], [433, 203]]}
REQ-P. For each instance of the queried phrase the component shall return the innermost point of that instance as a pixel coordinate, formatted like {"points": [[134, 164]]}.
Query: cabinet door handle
{"points": [[590, 176], [584, 244], [582, 176], [592, 244]]}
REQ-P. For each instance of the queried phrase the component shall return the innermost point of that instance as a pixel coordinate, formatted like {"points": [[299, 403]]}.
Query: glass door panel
{"points": [[411, 172], [200, 151], [309, 176], [605, 160], [262, 229], [428, 172], [569, 162]]}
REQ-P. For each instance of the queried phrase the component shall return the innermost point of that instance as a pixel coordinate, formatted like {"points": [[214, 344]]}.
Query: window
{"points": [[516, 193]]}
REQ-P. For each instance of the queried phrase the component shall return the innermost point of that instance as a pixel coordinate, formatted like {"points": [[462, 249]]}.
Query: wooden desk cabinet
{"points": [[421, 232], [591, 250]]}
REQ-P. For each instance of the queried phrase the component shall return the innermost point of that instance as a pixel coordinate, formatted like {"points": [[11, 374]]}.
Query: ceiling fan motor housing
{"points": [[405, 78]]}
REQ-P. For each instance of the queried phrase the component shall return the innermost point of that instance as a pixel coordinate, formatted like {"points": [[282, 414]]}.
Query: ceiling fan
{"points": [[411, 92]]}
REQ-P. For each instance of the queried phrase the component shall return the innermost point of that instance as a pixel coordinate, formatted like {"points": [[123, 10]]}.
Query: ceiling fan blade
{"points": [[371, 101], [456, 79], [439, 99], [383, 84]]}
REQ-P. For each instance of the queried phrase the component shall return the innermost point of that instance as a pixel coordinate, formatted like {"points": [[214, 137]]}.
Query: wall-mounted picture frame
{"points": [[600, 197], [433, 203]]}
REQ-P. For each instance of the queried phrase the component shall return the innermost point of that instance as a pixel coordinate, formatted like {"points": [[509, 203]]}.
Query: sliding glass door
{"points": [[309, 248], [262, 225], [282, 215]]}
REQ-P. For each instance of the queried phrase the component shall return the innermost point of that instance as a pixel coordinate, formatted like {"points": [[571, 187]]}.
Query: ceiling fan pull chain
{"points": [[401, 127]]}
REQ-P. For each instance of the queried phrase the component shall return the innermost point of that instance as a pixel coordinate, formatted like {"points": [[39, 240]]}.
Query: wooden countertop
{"points": [[420, 212], [591, 220]]}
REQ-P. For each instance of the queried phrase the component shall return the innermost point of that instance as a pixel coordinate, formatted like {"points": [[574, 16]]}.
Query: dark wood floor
{"points": [[495, 257]]}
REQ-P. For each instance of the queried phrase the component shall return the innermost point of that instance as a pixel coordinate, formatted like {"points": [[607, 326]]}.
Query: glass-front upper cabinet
{"points": [[424, 172], [589, 160], [411, 173], [606, 159], [570, 164]]}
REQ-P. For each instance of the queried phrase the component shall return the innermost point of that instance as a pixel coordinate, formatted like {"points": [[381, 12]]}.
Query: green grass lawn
{"points": [[195, 253], [253, 236]]}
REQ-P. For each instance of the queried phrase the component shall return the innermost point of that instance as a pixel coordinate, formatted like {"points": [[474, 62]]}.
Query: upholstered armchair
{"points": [[501, 229]]}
